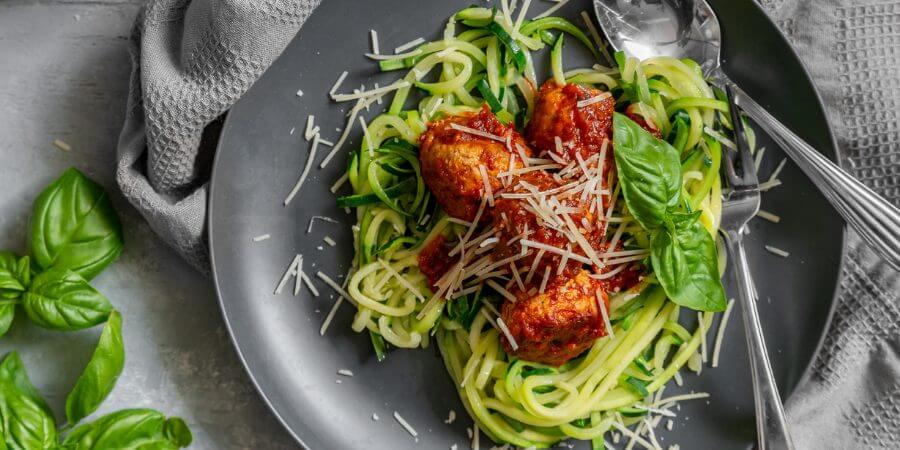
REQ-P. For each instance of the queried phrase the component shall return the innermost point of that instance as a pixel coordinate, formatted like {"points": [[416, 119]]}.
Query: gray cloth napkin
{"points": [[851, 398], [194, 59]]}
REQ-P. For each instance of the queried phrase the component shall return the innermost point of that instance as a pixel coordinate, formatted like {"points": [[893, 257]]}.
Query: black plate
{"points": [[277, 336]]}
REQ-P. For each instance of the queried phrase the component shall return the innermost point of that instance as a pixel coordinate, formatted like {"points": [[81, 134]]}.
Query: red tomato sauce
{"points": [[434, 259]]}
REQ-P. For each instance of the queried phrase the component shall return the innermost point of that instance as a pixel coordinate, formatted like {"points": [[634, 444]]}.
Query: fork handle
{"points": [[771, 425], [875, 219]]}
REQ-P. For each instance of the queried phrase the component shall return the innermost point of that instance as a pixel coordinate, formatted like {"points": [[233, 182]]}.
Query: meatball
{"points": [[559, 324], [581, 129], [516, 220], [451, 160]]}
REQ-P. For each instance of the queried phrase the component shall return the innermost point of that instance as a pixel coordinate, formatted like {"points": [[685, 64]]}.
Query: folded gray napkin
{"points": [[194, 58], [851, 399]]}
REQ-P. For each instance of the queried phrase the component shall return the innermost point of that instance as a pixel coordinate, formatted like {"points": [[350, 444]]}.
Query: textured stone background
{"points": [[64, 70]]}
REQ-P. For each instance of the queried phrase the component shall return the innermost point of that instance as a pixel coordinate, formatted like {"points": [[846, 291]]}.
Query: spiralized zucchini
{"points": [[484, 57]]}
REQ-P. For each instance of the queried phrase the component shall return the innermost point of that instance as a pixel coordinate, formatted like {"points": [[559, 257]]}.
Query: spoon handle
{"points": [[771, 425], [875, 219]]}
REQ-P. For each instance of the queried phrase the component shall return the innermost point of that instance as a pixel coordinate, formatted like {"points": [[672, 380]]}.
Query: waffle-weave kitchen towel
{"points": [[192, 60], [851, 399]]}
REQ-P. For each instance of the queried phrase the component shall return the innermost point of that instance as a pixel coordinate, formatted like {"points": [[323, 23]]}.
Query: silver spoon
{"points": [[690, 29]]}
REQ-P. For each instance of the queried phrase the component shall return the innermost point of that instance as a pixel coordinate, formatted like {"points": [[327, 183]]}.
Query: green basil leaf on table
{"points": [[15, 275], [130, 429], [101, 373], [60, 299], [74, 226], [26, 421], [177, 432], [685, 263], [7, 314], [649, 171]]}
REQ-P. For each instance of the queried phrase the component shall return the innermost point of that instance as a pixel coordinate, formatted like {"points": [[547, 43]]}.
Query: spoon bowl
{"points": [[677, 28]]}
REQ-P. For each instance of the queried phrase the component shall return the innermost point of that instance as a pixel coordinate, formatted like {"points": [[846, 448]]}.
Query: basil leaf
{"points": [[649, 172], [25, 419], [74, 226], [101, 373], [60, 299], [684, 260], [178, 432], [7, 314], [15, 275], [142, 429]]}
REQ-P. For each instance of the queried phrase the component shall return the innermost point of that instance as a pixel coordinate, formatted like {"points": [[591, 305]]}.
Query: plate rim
{"points": [[785, 394]]}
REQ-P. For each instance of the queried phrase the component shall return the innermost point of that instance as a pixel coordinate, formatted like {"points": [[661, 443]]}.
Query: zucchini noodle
{"points": [[483, 57]]}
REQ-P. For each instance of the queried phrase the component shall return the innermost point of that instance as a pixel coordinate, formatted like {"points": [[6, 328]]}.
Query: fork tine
{"points": [[747, 175], [731, 176]]}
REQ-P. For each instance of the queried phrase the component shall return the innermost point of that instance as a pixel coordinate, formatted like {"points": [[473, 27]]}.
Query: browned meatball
{"points": [[516, 221], [559, 324], [557, 114], [451, 160]]}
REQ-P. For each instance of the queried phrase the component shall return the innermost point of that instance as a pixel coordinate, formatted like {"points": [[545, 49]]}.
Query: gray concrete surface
{"points": [[63, 75]]}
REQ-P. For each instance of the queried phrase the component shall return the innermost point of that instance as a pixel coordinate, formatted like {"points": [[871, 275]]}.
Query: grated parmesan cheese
{"points": [[288, 273], [305, 173], [309, 285], [759, 157], [261, 237], [405, 425], [778, 169], [765, 187], [374, 35], [720, 333], [62, 145], [337, 84], [595, 99], [362, 94], [720, 137], [500, 290], [552, 9], [763, 214], [475, 132], [409, 45], [601, 305], [509, 337], [345, 372], [488, 190], [340, 182], [322, 218], [778, 251]]}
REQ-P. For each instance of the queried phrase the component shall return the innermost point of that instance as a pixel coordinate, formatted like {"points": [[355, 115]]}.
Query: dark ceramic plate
{"points": [[278, 339]]}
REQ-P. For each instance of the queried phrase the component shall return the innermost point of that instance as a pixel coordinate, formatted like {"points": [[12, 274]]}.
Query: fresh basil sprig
{"points": [[130, 429], [649, 172], [27, 421], [74, 235], [74, 226], [101, 373], [685, 264], [60, 299], [15, 277], [682, 252]]}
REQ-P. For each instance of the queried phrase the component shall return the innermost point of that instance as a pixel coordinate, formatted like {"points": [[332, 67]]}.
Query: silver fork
{"points": [[739, 206]]}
